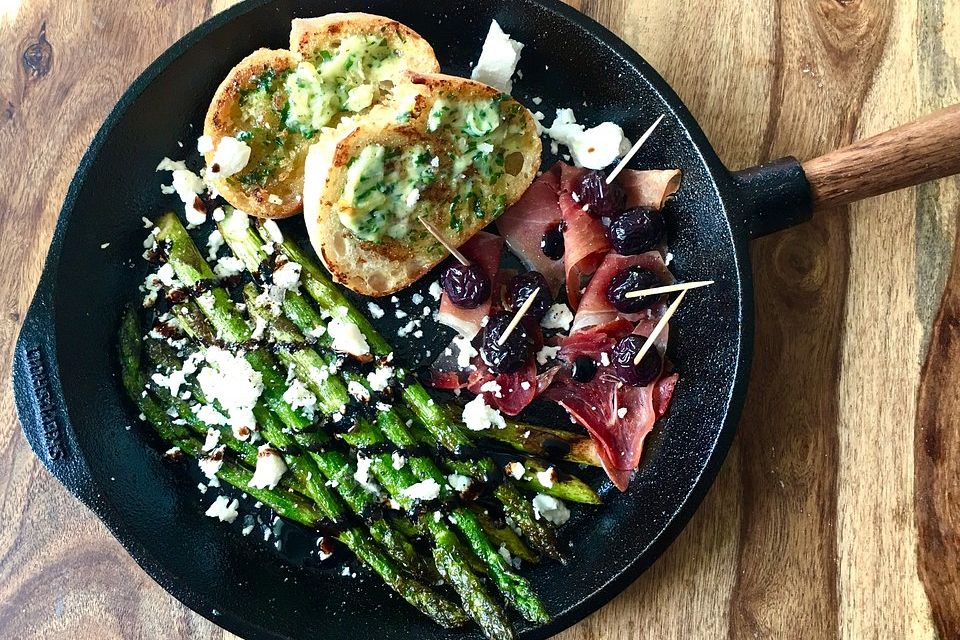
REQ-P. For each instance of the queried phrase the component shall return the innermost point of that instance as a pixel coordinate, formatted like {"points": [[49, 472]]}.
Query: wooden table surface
{"points": [[837, 512]]}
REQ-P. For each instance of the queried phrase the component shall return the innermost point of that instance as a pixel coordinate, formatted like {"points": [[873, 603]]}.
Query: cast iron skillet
{"points": [[73, 410]]}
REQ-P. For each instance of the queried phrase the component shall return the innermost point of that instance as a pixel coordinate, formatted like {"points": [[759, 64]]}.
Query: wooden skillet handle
{"points": [[923, 150]]}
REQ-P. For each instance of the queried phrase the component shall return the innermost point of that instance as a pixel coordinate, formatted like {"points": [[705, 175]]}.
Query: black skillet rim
{"points": [[632, 570]]}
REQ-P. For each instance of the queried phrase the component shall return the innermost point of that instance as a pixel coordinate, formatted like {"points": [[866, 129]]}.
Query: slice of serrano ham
{"points": [[595, 308]]}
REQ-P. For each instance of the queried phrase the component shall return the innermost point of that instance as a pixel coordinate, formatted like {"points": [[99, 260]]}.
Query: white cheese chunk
{"points": [[211, 464], [480, 417], [547, 478], [546, 353], [514, 470], [593, 148], [459, 482], [231, 156], [223, 509], [550, 509], [498, 59], [204, 144], [347, 338], [212, 439], [298, 396], [558, 316], [229, 380], [358, 391], [273, 231], [379, 378], [287, 276], [425, 490], [270, 468]]}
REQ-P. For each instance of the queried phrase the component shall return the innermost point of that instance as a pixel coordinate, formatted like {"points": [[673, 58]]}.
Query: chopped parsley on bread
{"points": [[453, 151], [279, 102]]}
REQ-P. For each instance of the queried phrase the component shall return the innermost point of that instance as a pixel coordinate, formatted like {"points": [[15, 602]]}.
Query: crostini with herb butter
{"points": [[274, 104], [452, 151]]}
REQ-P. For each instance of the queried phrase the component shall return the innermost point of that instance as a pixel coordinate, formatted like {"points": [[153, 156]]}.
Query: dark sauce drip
{"points": [[555, 448], [159, 253], [552, 244]]}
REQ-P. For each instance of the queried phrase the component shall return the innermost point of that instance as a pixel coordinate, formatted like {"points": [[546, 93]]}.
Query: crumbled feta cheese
{"points": [[219, 215], [425, 490], [188, 186], [621, 412], [172, 453], [376, 311], [505, 554], [604, 359], [298, 396], [274, 199], [465, 351], [525, 385], [547, 478], [416, 299], [398, 460], [347, 338], [435, 290], [104, 245], [558, 316], [214, 242], [458, 482], [211, 464], [270, 468], [207, 414], [228, 267], [593, 148], [479, 417], [358, 391], [229, 380], [231, 156], [178, 377], [212, 439], [514, 470], [204, 144], [491, 386], [362, 474], [379, 378], [317, 331], [223, 509], [273, 231], [546, 353], [551, 509], [287, 276], [498, 59]]}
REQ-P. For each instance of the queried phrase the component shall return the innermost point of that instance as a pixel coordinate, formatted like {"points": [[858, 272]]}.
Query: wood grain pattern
{"points": [[836, 514], [920, 151]]}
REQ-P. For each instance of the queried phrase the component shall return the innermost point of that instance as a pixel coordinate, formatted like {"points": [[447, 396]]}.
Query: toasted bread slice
{"points": [[310, 37], [453, 151], [280, 102], [248, 106]]}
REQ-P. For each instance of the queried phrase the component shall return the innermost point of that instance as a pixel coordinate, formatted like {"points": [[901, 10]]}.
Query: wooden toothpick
{"points": [[516, 318], [446, 245], [633, 151], [659, 328], [669, 288]]}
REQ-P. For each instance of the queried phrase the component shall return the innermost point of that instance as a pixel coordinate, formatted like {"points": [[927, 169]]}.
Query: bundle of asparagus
{"points": [[331, 423]]}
